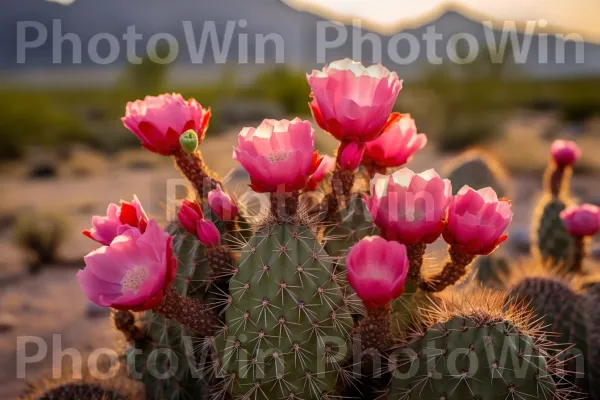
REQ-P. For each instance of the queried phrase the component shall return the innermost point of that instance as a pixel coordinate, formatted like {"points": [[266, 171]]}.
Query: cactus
{"points": [[478, 169], [88, 388], [554, 243], [592, 318], [477, 349], [287, 322], [489, 270]]}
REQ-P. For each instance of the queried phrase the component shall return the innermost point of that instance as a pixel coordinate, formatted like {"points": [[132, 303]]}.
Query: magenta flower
{"points": [[326, 166], [350, 155], [279, 156], [477, 221], [133, 272], [222, 204], [397, 144], [583, 220], [377, 270], [408, 207], [118, 219], [159, 121], [208, 233], [351, 102], [565, 152], [190, 214]]}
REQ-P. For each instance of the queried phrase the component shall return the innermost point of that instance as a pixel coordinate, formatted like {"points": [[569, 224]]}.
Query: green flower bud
{"points": [[189, 141]]}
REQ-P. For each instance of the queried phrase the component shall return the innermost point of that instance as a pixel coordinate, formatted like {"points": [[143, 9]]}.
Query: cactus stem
{"points": [[374, 329], [192, 313], [557, 178], [194, 169], [578, 254], [452, 272], [372, 168], [221, 262], [125, 322], [342, 183], [284, 206], [415, 257]]}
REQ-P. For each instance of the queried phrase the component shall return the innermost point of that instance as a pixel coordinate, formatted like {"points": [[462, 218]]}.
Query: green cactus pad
{"points": [[554, 243], [477, 169], [287, 323], [477, 355]]}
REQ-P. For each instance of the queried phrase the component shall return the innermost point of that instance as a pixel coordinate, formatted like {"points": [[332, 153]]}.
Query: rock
{"points": [[520, 240], [7, 322], [94, 311]]}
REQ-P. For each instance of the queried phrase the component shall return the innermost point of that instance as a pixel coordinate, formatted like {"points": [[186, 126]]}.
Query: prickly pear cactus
{"points": [[553, 241], [490, 269], [473, 355], [478, 170], [287, 323]]}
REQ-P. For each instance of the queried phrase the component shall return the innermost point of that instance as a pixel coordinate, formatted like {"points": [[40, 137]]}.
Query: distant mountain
{"points": [[298, 30]]}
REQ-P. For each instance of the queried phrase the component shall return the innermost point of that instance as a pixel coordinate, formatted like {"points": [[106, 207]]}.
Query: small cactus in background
{"points": [[476, 348], [41, 234], [552, 242], [477, 169], [288, 308]]}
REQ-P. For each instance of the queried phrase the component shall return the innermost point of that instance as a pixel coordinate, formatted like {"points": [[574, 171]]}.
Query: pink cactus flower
{"points": [[133, 272], [396, 146], [351, 102], [118, 219], [377, 270], [159, 121], [408, 207], [208, 233], [350, 155], [565, 152], [190, 214], [583, 220], [477, 221], [327, 166], [222, 204], [278, 155]]}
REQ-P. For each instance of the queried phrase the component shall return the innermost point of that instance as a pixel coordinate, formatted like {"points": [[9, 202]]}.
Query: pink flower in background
{"points": [[222, 204], [208, 233], [408, 207], [118, 219], [159, 121], [326, 166], [565, 152], [477, 221], [133, 272], [351, 102], [398, 143], [377, 270], [583, 220], [279, 156], [350, 155], [190, 214]]}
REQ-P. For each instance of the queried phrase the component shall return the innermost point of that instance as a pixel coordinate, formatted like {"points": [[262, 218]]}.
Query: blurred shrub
{"points": [[41, 234], [284, 86]]}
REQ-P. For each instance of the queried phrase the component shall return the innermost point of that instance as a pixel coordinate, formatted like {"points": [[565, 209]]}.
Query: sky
{"points": [[566, 16]]}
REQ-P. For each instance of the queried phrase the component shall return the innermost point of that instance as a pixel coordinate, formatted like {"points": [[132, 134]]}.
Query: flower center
{"points": [[277, 156], [133, 279]]}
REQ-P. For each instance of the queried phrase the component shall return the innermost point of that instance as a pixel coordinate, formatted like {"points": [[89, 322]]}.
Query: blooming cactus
{"points": [[583, 220], [278, 155], [477, 221], [410, 207], [565, 152], [398, 143], [133, 272], [159, 121], [326, 166], [118, 219], [352, 102], [377, 270]]}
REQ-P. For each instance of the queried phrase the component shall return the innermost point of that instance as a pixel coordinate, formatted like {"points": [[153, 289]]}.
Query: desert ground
{"points": [[51, 302]]}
